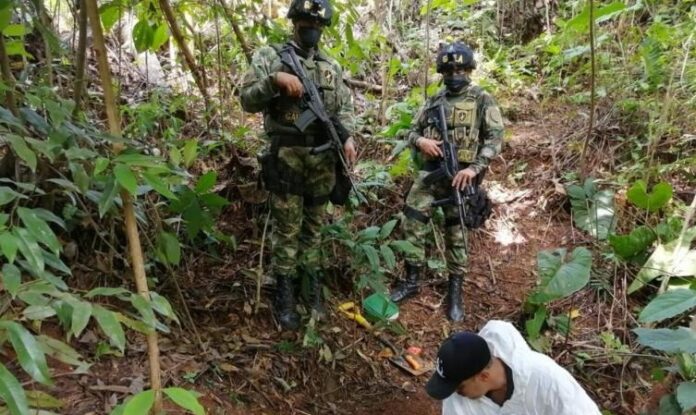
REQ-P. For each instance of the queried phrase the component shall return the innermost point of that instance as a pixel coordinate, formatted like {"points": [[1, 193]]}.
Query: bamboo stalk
{"points": [[136, 254], [79, 85], [7, 78], [196, 71], [7, 163], [237, 31]]}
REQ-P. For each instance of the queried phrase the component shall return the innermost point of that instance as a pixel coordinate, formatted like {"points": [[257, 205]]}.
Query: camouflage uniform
{"points": [[476, 126], [305, 180]]}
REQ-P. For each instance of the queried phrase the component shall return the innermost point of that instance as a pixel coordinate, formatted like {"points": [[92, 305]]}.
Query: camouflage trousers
{"points": [[297, 218], [416, 227]]}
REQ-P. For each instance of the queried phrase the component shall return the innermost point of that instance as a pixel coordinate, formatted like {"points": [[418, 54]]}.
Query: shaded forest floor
{"points": [[245, 365]]}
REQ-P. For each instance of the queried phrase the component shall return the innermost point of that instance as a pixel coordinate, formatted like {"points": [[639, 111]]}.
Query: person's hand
{"points": [[349, 151], [429, 147], [464, 178], [289, 84]]}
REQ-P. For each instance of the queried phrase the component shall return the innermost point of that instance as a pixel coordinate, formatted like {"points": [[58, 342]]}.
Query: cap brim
{"points": [[438, 388]]}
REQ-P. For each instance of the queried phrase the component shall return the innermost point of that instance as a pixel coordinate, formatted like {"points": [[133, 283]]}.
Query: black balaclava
{"points": [[308, 36], [456, 82]]}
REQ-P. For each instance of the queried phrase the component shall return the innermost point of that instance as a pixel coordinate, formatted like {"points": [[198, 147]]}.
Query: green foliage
{"points": [[560, 276], [634, 244], [653, 201], [668, 305], [141, 403], [672, 259], [372, 251], [593, 209]]}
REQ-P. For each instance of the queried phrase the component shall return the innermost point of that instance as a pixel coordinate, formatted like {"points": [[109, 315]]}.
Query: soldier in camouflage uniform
{"points": [[476, 127], [299, 182]]}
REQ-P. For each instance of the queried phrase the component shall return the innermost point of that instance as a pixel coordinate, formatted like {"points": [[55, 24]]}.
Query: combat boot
{"points": [[455, 312], [314, 299], [409, 286], [284, 304]]}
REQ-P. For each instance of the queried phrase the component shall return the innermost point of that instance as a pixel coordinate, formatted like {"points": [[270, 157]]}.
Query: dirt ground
{"points": [[244, 365]]}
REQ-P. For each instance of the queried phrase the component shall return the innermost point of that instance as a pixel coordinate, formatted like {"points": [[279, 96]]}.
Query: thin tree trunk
{"points": [[81, 57], [590, 128], [136, 254], [229, 14], [45, 22], [197, 71], [7, 164], [7, 78]]}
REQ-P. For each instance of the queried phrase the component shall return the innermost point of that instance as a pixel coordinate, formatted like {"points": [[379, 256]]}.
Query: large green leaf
{"points": [[126, 178], [637, 242], [185, 399], [160, 36], [140, 404], [110, 325], [106, 201], [39, 229], [162, 306], [11, 279], [157, 183], [206, 182], [673, 259], [42, 400], [9, 244], [8, 195], [19, 145], [679, 340], [561, 276], [686, 396], [534, 325], [593, 210], [30, 249], [168, 248], [669, 405], [29, 353], [602, 13], [372, 255], [63, 352], [144, 308], [653, 201], [388, 255], [668, 305], [142, 36], [38, 312], [387, 228], [81, 313], [402, 246], [12, 393]]}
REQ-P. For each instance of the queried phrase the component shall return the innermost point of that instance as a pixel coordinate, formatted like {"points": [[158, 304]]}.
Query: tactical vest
{"points": [[283, 111], [463, 121]]}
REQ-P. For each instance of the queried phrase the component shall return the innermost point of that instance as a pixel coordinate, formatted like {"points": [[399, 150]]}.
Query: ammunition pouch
{"points": [[478, 210]]}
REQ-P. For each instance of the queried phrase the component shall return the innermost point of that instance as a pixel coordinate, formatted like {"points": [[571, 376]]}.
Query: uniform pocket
{"points": [[328, 83]]}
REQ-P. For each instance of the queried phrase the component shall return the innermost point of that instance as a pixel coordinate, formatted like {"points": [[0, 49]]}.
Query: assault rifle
{"points": [[449, 167], [337, 133]]}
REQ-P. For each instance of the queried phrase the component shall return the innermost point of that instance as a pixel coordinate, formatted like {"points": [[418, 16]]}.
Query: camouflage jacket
{"points": [[474, 123], [259, 93]]}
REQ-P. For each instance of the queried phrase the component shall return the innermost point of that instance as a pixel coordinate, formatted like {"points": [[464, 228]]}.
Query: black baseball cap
{"points": [[460, 357]]}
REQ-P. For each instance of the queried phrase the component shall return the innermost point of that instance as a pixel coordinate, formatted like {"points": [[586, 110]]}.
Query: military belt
{"points": [[304, 140]]}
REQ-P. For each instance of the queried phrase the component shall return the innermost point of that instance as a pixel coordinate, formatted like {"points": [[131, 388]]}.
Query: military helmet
{"points": [[320, 10], [455, 55]]}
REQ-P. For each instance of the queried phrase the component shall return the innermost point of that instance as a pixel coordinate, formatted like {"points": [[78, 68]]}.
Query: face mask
{"points": [[309, 36], [455, 83]]}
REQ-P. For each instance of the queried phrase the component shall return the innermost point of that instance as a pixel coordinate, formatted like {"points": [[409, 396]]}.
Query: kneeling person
{"points": [[495, 372]]}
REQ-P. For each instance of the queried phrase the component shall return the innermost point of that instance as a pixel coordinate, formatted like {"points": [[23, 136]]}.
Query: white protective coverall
{"points": [[541, 386]]}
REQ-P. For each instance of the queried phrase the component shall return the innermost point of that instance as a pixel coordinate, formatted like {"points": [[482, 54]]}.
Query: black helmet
{"points": [[320, 10], [455, 55]]}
